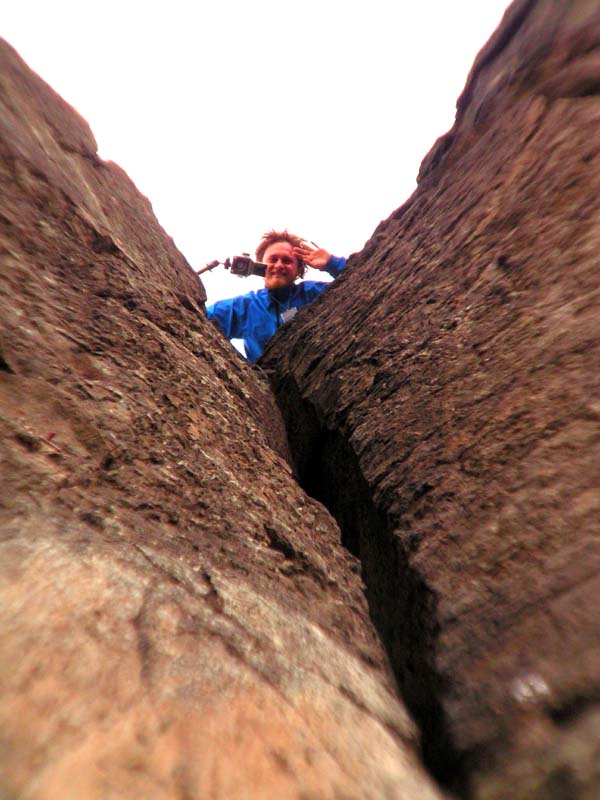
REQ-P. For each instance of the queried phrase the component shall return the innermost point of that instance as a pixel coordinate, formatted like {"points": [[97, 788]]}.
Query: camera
{"points": [[244, 266]]}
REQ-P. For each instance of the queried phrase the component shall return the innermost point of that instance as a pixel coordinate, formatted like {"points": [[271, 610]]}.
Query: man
{"points": [[254, 317]]}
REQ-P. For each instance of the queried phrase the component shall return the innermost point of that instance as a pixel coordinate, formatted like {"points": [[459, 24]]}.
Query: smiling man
{"points": [[254, 317]]}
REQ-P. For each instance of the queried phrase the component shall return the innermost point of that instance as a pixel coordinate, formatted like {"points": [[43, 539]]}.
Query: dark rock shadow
{"points": [[401, 606]]}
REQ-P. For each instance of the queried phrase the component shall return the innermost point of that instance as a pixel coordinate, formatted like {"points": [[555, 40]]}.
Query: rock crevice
{"points": [[179, 615], [401, 605]]}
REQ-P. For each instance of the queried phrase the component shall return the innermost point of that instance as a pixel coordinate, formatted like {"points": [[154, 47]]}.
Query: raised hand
{"points": [[312, 255]]}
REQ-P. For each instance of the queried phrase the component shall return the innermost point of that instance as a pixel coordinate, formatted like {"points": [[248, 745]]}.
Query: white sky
{"points": [[236, 117]]}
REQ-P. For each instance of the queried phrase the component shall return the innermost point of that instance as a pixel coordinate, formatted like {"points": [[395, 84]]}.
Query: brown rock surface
{"points": [[443, 399], [178, 618]]}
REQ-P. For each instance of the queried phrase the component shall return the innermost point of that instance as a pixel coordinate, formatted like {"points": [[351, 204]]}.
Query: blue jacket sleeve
{"points": [[335, 265], [229, 315]]}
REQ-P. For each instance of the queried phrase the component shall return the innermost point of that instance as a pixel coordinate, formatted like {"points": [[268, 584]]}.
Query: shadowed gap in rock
{"points": [[4, 365], [401, 606]]}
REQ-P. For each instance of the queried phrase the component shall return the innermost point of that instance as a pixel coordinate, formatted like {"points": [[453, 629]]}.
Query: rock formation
{"points": [[179, 619], [443, 400]]}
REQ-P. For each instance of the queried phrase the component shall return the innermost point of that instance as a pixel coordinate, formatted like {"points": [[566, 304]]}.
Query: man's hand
{"points": [[312, 255]]}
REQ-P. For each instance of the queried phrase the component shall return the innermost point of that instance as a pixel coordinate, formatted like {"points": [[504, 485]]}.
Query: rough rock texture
{"points": [[443, 399], [178, 618]]}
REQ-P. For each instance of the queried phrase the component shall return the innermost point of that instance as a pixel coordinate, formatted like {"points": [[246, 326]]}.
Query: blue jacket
{"points": [[254, 317]]}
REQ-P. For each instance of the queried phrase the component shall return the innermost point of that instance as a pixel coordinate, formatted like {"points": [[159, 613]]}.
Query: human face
{"points": [[282, 265]]}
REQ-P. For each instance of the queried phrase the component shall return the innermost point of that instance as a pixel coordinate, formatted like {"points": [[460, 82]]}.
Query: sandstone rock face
{"points": [[443, 399], [179, 620]]}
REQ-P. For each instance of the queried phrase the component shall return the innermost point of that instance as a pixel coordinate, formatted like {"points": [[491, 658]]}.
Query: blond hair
{"points": [[273, 237]]}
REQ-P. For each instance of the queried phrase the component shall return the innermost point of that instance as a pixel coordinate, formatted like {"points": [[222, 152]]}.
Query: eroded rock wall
{"points": [[178, 618], [443, 399]]}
